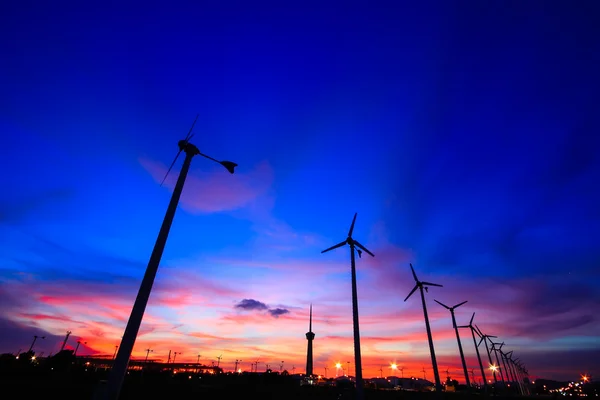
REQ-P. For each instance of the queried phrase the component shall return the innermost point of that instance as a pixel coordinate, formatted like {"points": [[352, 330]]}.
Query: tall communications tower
{"points": [[310, 336]]}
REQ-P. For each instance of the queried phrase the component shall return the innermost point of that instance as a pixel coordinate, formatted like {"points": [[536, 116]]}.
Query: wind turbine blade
{"points": [[364, 248], [171, 167], [432, 284], [413, 272], [464, 326], [479, 331], [411, 292], [359, 253], [340, 244], [471, 321], [460, 304], [491, 336], [189, 135], [479, 344], [352, 226], [442, 304]]}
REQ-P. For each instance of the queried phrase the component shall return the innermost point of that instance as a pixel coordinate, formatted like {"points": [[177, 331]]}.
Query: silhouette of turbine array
{"points": [[510, 370], [112, 389]]}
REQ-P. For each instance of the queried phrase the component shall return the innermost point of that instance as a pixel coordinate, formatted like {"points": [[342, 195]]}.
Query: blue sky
{"points": [[464, 134]]}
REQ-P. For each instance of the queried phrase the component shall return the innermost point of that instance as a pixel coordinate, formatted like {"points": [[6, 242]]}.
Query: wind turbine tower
{"points": [[357, 359], [498, 364], [462, 355], [119, 369], [425, 285], [473, 332], [310, 336], [484, 339]]}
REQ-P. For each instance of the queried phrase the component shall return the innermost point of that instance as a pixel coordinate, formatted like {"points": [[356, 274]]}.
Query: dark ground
{"points": [[69, 381], [83, 389]]}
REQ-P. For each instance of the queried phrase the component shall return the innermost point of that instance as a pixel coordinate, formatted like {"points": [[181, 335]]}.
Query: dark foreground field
{"points": [[150, 389]]}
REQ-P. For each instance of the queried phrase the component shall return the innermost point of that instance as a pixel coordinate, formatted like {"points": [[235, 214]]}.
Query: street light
{"points": [[35, 337], [148, 351], [77, 347], [236, 366]]}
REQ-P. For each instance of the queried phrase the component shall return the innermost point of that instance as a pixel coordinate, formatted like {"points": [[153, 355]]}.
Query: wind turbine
{"points": [[484, 339], [256, 365], [508, 368], [219, 360], [521, 372], [473, 332], [425, 285], [357, 359], [500, 368], [499, 350], [462, 355], [511, 363], [117, 373]]}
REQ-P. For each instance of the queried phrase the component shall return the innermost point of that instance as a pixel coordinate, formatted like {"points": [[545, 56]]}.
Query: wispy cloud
{"points": [[215, 191]]}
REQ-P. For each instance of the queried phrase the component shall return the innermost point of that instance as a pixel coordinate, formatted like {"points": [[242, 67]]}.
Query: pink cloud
{"points": [[217, 190]]}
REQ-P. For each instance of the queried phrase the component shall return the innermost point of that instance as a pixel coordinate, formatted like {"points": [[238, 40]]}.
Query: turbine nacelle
{"points": [[420, 284], [351, 242], [189, 148], [451, 309]]}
